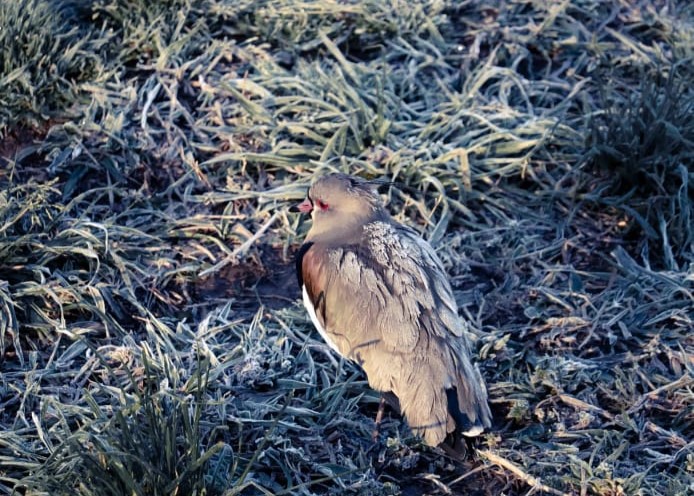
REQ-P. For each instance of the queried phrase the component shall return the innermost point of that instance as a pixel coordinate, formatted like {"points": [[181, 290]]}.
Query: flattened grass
{"points": [[151, 338]]}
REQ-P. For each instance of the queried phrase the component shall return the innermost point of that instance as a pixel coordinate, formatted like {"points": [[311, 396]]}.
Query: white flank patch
{"points": [[312, 313], [475, 431]]}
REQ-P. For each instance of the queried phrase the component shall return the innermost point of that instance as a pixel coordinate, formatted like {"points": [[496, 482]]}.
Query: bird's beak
{"points": [[304, 207]]}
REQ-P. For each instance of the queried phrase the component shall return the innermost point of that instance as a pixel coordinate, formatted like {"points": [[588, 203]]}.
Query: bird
{"points": [[379, 296]]}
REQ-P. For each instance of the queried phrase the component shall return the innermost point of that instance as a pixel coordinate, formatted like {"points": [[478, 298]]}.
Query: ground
{"points": [[152, 338]]}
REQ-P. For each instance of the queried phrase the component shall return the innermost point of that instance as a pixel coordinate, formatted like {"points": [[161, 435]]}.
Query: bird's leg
{"points": [[379, 418]]}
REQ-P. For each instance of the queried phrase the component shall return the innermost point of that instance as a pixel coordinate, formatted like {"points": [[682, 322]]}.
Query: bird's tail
{"points": [[467, 402]]}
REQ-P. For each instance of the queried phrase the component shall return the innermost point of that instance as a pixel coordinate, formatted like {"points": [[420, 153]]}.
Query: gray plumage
{"points": [[379, 295]]}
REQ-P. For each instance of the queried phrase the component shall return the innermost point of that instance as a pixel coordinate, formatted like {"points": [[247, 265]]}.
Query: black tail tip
{"points": [[464, 426]]}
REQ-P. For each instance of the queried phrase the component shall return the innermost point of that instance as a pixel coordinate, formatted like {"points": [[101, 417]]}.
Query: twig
{"points": [[434, 479], [518, 472], [682, 382], [467, 474], [245, 246], [582, 405]]}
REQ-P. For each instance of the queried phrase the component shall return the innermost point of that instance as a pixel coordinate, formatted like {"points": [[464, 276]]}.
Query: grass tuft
{"points": [[641, 148], [40, 74], [149, 444]]}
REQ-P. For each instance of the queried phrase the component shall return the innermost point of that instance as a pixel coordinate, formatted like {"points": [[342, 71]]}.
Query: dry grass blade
{"points": [[518, 472]]}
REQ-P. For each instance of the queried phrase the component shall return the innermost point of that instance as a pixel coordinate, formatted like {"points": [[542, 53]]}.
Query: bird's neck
{"points": [[342, 230]]}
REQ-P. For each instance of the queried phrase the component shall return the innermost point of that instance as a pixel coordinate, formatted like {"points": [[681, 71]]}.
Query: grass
{"points": [[639, 149], [152, 339], [39, 74]]}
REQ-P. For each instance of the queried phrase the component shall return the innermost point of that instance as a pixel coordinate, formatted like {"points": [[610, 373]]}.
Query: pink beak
{"points": [[305, 206]]}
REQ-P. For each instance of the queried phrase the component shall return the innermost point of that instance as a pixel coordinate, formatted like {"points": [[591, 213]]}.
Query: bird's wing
{"points": [[389, 288]]}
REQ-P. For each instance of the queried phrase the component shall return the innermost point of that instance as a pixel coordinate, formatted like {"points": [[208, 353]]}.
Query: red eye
{"points": [[321, 204]]}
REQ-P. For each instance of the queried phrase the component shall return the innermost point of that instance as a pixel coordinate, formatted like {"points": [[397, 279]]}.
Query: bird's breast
{"points": [[314, 318]]}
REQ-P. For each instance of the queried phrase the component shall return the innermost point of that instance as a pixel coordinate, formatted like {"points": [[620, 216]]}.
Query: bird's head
{"points": [[339, 203]]}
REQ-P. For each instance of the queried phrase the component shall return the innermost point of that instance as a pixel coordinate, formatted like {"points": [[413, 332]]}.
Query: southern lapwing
{"points": [[378, 295]]}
